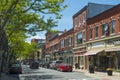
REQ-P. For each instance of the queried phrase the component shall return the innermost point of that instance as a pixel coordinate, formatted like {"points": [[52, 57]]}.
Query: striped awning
{"points": [[93, 52], [112, 49]]}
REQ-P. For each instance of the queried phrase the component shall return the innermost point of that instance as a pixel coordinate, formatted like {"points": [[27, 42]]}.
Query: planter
{"points": [[109, 72]]}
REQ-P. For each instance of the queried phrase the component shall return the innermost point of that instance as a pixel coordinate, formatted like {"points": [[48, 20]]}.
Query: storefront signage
{"points": [[117, 43], [97, 44], [114, 42]]}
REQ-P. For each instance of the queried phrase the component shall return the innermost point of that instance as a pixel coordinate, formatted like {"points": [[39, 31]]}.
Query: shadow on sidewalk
{"points": [[9, 77]]}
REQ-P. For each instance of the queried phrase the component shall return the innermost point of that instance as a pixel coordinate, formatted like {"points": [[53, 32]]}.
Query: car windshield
{"points": [[15, 65], [65, 64], [59, 62]]}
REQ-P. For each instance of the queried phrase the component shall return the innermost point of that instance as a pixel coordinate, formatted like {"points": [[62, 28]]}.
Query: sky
{"points": [[73, 7]]}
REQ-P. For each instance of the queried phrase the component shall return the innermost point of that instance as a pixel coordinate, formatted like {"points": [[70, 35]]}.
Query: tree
{"points": [[29, 50], [27, 16]]}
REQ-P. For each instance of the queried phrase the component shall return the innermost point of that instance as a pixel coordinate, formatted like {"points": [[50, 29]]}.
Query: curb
{"points": [[100, 75]]}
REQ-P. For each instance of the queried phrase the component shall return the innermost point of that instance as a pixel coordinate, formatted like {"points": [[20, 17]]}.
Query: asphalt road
{"points": [[46, 74], [49, 74]]}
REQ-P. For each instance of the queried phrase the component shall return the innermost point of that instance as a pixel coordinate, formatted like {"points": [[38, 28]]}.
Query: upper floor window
{"points": [[79, 38], [90, 33], [104, 28], [69, 41], [112, 26], [96, 31], [62, 43], [65, 42], [56, 47]]}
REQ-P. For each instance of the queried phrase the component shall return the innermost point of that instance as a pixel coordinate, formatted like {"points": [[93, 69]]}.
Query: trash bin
{"points": [[91, 69]]}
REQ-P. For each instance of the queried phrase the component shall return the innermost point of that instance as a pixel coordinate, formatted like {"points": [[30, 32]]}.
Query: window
{"points": [[96, 31], [79, 38], [55, 47], [62, 43], [90, 33], [103, 29], [112, 26], [69, 41], [65, 43]]}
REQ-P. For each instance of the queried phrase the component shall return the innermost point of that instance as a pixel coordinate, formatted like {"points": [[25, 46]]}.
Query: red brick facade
{"points": [[103, 39], [105, 17], [88, 35]]}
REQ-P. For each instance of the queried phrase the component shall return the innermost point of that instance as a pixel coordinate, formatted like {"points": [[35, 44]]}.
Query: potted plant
{"points": [[109, 71]]}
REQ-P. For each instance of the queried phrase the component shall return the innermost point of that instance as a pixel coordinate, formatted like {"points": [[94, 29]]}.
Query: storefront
{"points": [[113, 51], [97, 58], [79, 57], [68, 56], [104, 54]]}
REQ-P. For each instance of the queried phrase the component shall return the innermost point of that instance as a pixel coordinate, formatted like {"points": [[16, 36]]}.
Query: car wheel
{"points": [[20, 72], [70, 71]]}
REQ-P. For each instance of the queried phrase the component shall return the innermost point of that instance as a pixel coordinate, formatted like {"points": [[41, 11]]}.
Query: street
{"points": [[48, 74]]}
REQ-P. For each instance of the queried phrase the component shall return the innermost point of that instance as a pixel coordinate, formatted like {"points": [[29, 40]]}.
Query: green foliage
{"points": [[21, 17], [29, 50]]}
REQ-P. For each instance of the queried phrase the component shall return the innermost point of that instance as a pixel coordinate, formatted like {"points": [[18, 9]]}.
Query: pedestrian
{"points": [[76, 66]]}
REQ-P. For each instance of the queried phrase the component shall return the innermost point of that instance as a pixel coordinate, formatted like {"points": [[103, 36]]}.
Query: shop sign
{"points": [[97, 44], [117, 43]]}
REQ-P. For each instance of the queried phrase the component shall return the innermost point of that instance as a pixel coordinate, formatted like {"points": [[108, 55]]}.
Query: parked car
{"points": [[55, 63], [42, 64], [34, 65], [65, 67], [15, 68]]}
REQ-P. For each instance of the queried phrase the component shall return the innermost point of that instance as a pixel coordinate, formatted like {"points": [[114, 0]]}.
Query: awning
{"points": [[112, 49], [93, 52]]}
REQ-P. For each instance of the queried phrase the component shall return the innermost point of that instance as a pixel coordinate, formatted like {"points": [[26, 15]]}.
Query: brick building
{"points": [[94, 39], [40, 53], [66, 46], [79, 24], [52, 45], [59, 45], [103, 39]]}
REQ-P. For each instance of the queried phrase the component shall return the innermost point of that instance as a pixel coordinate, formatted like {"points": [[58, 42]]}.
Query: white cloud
{"points": [[37, 37]]}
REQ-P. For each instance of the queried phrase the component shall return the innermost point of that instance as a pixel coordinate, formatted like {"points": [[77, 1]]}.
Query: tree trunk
{"points": [[4, 48]]}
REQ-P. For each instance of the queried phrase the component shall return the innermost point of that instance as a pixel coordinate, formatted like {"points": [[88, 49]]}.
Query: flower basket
{"points": [[109, 71]]}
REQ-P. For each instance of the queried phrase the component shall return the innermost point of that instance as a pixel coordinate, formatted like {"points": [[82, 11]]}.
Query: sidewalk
{"points": [[101, 75], [4, 76]]}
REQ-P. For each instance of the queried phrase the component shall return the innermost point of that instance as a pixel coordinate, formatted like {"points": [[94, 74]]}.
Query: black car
{"points": [[34, 65], [15, 68]]}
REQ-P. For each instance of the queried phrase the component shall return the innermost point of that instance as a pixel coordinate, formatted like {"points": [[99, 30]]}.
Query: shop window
{"points": [[112, 26]]}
